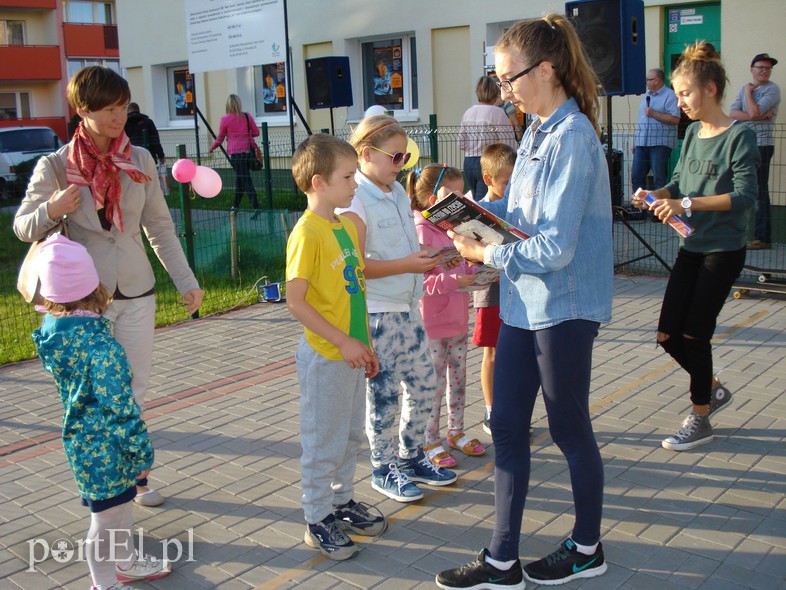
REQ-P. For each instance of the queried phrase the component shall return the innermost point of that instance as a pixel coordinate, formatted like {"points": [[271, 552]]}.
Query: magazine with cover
{"points": [[466, 217], [484, 276]]}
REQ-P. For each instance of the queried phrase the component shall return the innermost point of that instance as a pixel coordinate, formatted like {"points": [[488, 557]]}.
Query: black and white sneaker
{"points": [[359, 518], [720, 397], [566, 564], [696, 431], [328, 536], [479, 575]]}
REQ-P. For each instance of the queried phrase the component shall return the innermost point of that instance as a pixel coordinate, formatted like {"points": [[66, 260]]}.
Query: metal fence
{"points": [[231, 252]]}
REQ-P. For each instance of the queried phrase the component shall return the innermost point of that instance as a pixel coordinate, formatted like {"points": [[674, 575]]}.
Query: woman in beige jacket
{"points": [[109, 191]]}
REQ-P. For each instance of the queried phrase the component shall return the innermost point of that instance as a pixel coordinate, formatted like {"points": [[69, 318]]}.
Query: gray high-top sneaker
{"points": [[720, 396], [696, 431]]}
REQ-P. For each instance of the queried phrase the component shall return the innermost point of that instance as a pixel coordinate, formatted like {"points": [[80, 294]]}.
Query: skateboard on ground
{"points": [[765, 283]]}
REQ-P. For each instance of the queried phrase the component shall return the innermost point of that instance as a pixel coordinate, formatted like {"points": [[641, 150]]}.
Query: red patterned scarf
{"points": [[101, 172]]}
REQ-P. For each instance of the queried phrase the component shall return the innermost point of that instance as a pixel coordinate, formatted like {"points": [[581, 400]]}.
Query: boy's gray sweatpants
{"points": [[332, 414]]}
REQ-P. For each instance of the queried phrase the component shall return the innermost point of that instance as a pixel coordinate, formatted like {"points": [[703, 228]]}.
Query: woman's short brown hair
{"points": [[487, 90], [96, 87]]}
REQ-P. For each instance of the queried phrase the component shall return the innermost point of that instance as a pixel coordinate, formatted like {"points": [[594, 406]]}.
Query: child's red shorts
{"points": [[487, 325]]}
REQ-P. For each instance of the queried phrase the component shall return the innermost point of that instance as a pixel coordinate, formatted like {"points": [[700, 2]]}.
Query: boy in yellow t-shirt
{"points": [[326, 292]]}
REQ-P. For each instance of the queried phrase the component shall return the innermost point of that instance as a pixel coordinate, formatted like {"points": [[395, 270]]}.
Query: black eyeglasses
{"points": [[762, 68], [507, 85]]}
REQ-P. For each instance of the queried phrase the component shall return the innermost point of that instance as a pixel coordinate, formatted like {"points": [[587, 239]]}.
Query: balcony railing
{"points": [[30, 62], [87, 40], [42, 4]]}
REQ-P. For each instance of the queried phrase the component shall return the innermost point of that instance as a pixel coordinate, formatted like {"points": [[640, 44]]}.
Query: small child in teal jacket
{"points": [[104, 437]]}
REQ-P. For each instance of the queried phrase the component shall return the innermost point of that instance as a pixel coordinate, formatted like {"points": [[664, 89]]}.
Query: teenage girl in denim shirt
{"points": [[555, 290]]}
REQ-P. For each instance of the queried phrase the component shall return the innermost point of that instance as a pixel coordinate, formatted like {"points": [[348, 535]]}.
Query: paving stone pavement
{"points": [[223, 413]]}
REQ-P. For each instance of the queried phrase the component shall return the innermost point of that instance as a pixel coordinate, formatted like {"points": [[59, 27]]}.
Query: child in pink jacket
{"points": [[445, 315]]}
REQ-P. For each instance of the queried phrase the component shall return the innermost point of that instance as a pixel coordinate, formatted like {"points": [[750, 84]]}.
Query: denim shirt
{"points": [[559, 195]]}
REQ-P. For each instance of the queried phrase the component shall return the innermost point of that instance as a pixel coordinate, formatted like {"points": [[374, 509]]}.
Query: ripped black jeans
{"points": [[698, 287]]}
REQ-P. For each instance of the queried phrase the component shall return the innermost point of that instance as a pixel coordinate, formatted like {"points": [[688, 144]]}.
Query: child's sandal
{"points": [[439, 456], [466, 445]]}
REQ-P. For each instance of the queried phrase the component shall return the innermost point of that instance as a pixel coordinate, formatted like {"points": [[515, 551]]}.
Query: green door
{"points": [[687, 23]]}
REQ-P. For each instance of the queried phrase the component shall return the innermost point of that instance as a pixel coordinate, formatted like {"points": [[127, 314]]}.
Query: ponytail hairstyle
{"points": [[702, 64], [422, 183], [375, 131], [553, 39]]}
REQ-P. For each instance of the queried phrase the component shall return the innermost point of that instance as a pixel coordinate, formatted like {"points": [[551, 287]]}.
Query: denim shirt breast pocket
{"points": [[389, 230], [528, 186]]}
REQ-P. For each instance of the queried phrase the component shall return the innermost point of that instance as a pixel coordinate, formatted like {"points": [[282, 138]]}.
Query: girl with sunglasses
{"points": [[445, 313], [556, 289], [395, 263]]}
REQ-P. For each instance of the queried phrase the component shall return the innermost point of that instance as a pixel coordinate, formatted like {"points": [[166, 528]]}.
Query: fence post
{"points": [[186, 228], [268, 173], [432, 134]]}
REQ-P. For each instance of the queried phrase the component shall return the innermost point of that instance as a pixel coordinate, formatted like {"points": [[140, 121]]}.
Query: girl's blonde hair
{"points": [[375, 131], [98, 301], [553, 39], [234, 105], [421, 183], [701, 63]]}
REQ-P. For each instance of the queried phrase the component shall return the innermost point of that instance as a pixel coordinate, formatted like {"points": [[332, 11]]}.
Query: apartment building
{"points": [[43, 43]]}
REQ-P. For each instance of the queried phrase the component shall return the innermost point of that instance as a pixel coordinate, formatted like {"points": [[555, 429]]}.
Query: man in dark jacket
{"points": [[142, 131]]}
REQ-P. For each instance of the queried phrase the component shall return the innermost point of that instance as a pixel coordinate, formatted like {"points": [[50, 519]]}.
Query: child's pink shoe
{"points": [[439, 456], [466, 445]]}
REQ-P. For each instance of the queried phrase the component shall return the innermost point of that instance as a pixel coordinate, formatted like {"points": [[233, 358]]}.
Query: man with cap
{"points": [[757, 103], [656, 133]]}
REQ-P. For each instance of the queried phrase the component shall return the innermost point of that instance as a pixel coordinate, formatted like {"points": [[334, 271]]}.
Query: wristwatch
{"points": [[686, 203]]}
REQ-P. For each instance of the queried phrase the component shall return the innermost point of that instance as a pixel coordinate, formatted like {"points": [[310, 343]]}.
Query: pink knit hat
{"points": [[66, 270]]}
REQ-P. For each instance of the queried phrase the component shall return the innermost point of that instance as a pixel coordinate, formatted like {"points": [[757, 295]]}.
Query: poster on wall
{"points": [[388, 77], [234, 33], [183, 92], [274, 87]]}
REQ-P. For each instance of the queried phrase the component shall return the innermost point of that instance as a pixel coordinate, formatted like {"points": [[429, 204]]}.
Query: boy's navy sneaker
{"points": [[479, 575], [420, 469], [328, 536], [359, 518], [392, 482], [566, 564]]}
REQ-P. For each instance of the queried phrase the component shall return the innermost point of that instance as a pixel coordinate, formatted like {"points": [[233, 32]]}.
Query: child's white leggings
{"points": [[109, 543]]}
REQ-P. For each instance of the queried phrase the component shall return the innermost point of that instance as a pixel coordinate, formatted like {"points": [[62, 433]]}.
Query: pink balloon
{"points": [[184, 170], [206, 182]]}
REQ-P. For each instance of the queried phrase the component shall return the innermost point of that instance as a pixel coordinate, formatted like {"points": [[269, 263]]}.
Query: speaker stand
{"points": [[620, 212]]}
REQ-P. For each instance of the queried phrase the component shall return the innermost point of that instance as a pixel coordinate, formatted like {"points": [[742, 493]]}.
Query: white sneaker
{"points": [[144, 568]]}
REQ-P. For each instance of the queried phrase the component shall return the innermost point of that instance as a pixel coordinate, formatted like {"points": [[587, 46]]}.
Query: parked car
{"points": [[20, 147]]}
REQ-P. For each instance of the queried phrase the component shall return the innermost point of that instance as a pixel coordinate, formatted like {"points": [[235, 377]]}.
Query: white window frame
{"points": [[173, 119], [18, 100], [409, 112], [247, 91], [112, 64], [98, 10], [6, 34]]}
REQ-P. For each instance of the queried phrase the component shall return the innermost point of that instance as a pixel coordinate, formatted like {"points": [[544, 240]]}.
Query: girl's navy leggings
{"points": [[557, 361]]}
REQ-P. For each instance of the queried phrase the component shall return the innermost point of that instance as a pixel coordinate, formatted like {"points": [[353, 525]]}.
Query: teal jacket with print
{"points": [[104, 436]]}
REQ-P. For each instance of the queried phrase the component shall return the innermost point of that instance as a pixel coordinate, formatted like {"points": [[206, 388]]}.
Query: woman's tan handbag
{"points": [[28, 283]]}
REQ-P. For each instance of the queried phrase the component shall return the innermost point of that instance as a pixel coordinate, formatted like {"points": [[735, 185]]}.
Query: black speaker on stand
{"points": [[612, 34], [329, 84]]}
